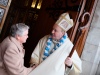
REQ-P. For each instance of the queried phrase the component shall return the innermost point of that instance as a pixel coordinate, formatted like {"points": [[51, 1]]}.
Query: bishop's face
{"points": [[57, 32]]}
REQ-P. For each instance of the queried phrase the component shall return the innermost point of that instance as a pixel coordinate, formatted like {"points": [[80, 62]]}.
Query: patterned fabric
{"points": [[47, 51]]}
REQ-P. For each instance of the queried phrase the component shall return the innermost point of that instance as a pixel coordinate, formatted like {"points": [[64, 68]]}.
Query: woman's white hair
{"points": [[18, 29]]}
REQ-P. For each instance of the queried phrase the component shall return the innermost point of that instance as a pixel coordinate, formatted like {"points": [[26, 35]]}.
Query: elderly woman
{"points": [[12, 52]]}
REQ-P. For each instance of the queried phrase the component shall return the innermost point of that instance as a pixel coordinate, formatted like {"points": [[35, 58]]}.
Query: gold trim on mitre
{"points": [[65, 22]]}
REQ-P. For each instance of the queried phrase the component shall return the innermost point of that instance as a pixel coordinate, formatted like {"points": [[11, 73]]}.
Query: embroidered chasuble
{"points": [[54, 64]]}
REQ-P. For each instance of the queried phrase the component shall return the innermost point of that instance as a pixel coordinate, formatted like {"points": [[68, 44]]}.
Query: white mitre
{"points": [[64, 21]]}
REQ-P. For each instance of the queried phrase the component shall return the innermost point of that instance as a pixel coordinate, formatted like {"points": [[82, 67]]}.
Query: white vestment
{"points": [[54, 64]]}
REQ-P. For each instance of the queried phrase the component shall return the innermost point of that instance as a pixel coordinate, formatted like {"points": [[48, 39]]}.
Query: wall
{"points": [[90, 56]]}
